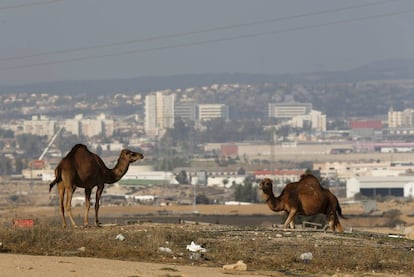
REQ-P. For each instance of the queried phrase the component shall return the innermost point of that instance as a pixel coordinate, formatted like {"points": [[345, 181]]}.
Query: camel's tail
{"points": [[57, 178], [339, 210]]}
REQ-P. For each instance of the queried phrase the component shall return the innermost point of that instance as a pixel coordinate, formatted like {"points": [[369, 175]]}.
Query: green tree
{"points": [[182, 177], [6, 167], [245, 192], [202, 199]]}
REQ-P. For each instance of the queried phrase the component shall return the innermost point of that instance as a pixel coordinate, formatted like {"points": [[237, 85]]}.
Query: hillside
{"points": [[367, 91]]}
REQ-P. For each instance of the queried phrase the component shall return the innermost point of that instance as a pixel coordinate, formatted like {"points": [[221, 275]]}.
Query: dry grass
{"points": [[262, 249]]}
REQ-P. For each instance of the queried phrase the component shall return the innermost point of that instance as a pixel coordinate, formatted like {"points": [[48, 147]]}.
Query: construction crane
{"points": [[50, 144]]}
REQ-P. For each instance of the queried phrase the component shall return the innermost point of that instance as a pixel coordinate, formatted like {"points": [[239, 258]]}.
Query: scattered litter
{"points": [[306, 257], [22, 223], [2, 248], [197, 251], [165, 250], [397, 236], [239, 266], [120, 237], [279, 235], [196, 248]]}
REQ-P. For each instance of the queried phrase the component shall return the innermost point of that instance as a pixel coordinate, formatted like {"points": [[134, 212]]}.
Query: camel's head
{"points": [[131, 156], [266, 185]]}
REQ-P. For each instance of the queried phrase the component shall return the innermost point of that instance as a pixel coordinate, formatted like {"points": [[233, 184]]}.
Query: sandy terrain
{"points": [[40, 266]]}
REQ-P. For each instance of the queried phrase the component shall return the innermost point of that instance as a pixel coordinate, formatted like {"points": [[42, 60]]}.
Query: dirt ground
{"points": [[41, 266]]}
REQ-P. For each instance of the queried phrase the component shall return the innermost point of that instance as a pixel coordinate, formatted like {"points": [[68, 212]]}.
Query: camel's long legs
{"points": [[334, 223], [289, 219], [69, 206], [98, 198], [61, 189], [87, 206]]}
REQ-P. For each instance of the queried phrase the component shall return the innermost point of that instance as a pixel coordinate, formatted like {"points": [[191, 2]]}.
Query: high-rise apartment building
{"points": [[159, 112]]}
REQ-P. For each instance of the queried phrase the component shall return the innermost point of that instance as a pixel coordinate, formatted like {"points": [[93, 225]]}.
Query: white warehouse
{"points": [[371, 186]]}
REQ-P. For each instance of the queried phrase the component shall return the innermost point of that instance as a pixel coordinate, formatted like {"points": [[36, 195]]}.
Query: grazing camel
{"points": [[84, 169], [305, 197]]}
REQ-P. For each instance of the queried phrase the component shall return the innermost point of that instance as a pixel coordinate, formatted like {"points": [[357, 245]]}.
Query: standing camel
{"points": [[305, 197], [84, 169]]}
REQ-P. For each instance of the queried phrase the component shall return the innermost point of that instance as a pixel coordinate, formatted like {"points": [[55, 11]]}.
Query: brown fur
{"points": [[84, 169], [305, 197]]}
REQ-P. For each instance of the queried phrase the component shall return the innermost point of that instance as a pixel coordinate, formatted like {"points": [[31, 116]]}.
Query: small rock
{"points": [[165, 250], [239, 266], [306, 257]]}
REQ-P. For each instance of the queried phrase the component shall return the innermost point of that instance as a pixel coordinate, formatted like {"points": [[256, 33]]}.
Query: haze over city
{"points": [[45, 41]]}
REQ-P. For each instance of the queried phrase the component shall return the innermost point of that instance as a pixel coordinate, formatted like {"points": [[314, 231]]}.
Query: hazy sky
{"points": [[101, 39]]}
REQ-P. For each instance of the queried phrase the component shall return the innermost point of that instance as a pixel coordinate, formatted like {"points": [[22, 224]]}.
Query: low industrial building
{"points": [[396, 186]]}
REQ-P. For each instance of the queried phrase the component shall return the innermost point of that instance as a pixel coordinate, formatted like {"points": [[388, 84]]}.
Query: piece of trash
{"points": [[239, 266], [165, 250], [120, 237], [196, 248], [197, 251], [82, 249], [306, 257], [22, 223], [396, 236]]}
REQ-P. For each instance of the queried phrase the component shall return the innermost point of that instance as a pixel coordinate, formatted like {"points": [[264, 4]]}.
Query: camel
{"points": [[305, 197], [84, 169]]}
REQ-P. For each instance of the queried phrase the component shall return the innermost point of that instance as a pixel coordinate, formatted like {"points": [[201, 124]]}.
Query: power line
{"points": [[25, 5], [210, 41], [208, 30]]}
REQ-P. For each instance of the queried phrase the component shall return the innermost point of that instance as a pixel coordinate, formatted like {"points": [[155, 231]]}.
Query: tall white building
{"points": [[159, 112]]}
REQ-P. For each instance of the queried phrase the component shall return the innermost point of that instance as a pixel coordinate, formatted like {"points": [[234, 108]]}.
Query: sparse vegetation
{"points": [[262, 249]]}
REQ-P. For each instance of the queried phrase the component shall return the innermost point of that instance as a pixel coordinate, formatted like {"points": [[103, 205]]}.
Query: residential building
{"points": [[159, 112], [288, 110], [401, 118], [212, 111], [315, 119], [40, 126], [72, 125], [185, 110], [298, 114]]}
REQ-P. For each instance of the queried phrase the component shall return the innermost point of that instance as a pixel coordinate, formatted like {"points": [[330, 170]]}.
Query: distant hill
{"points": [[381, 70]]}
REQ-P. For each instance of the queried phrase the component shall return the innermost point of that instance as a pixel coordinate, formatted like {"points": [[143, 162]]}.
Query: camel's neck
{"points": [[273, 202], [117, 172]]}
